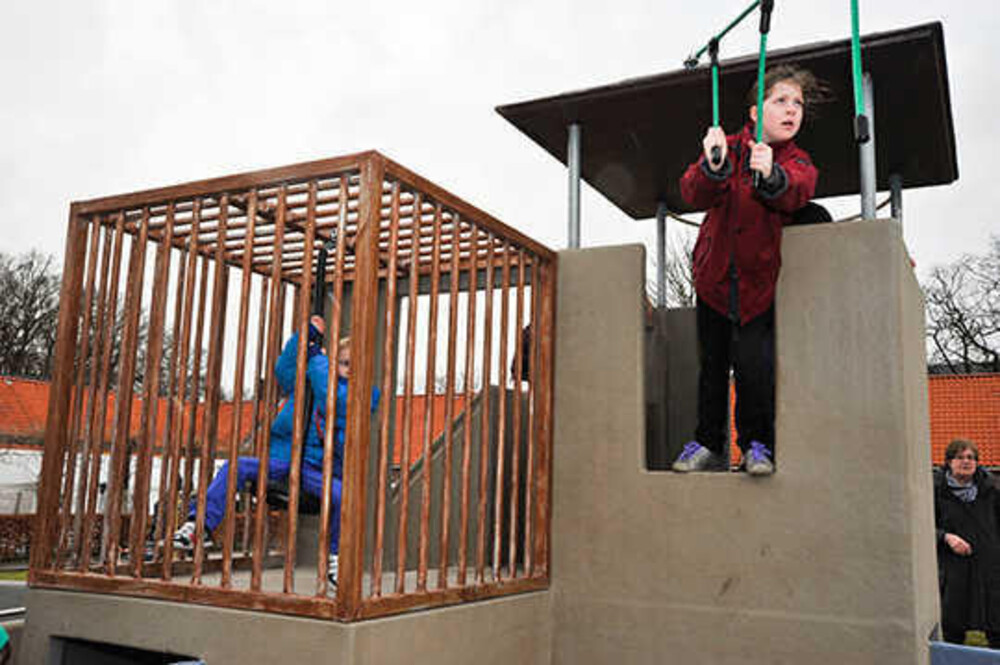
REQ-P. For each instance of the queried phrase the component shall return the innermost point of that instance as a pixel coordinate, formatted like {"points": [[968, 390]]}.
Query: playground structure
{"points": [[831, 560], [408, 260]]}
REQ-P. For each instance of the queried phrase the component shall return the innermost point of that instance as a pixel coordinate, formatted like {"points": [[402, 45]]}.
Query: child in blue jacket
{"points": [[282, 430]]}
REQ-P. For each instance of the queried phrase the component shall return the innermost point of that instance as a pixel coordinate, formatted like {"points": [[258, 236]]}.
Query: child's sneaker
{"points": [[757, 460], [331, 572], [696, 457], [184, 537]]}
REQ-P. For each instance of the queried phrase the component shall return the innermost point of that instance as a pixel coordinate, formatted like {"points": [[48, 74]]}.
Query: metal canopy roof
{"points": [[640, 134]]}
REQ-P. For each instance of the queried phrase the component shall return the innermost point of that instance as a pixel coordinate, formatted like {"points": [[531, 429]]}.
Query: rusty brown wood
{"points": [[469, 388], [532, 378], [501, 417], [330, 408], [57, 420], [167, 461], [301, 416], [407, 425], [257, 427], [195, 393], [484, 430], [359, 397], [104, 374], [256, 601], [449, 407], [515, 453], [83, 353], [210, 423], [151, 397], [397, 604], [275, 317], [229, 520], [546, 367], [429, 389], [187, 390], [241, 182], [389, 327], [83, 485], [123, 397]]}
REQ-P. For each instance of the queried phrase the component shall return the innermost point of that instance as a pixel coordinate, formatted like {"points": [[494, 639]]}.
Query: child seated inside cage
{"points": [[736, 261], [282, 430]]}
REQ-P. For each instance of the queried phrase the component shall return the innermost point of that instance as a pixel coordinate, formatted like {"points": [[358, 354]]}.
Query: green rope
{"points": [[715, 95], [760, 84], [859, 99], [693, 60]]}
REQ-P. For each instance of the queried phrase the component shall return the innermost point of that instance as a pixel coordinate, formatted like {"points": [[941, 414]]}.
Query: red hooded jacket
{"points": [[743, 224]]}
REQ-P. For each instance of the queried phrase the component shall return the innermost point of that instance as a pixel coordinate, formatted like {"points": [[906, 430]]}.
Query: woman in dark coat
{"points": [[967, 517]]}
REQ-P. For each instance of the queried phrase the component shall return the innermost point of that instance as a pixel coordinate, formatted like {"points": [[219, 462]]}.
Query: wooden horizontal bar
{"points": [[153, 589], [390, 604]]}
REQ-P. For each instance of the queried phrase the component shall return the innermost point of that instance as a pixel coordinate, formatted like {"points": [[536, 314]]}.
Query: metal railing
{"points": [[436, 297]]}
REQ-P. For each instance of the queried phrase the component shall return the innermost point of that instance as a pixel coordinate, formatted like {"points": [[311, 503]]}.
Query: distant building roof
{"points": [[965, 406], [24, 408]]}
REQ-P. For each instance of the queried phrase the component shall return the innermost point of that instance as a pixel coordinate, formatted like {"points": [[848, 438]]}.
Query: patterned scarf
{"points": [[964, 493]]}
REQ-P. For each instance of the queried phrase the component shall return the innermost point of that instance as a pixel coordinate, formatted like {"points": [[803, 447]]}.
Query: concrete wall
{"points": [[828, 561], [503, 631]]}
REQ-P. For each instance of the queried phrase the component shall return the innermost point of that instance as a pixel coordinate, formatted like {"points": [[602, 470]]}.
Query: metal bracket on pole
{"points": [[867, 153], [661, 255], [573, 162]]}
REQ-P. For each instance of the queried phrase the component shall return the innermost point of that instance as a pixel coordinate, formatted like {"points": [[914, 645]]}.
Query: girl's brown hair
{"points": [[814, 91]]}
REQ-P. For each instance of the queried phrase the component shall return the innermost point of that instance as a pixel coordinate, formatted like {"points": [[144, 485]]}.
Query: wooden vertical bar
{"points": [[470, 369], [532, 378], [259, 404], [387, 394], [229, 521], [301, 416], [167, 460], [449, 401], [57, 420], [515, 453], [484, 431], [275, 317], [501, 415], [365, 299], [429, 397], [187, 389], [83, 485], [330, 408], [545, 330], [210, 423], [83, 353], [407, 418], [104, 374], [151, 398], [197, 404], [123, 399]]}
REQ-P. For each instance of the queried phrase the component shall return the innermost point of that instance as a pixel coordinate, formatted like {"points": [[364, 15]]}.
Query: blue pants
{"points": [[248, 469]]}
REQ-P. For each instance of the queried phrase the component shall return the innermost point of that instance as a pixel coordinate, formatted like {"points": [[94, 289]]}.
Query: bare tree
{"points": [[679, 275], [963, 313], [29, 306]]}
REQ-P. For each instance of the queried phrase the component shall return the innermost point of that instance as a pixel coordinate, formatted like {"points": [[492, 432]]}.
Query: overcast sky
{"points": [[108, 96]]}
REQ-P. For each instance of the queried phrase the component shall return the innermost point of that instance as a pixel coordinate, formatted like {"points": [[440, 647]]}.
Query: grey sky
{"points": [[106, 96]]}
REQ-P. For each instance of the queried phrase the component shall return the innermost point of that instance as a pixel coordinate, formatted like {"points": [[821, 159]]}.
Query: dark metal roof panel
{"points": [[639, 135]]}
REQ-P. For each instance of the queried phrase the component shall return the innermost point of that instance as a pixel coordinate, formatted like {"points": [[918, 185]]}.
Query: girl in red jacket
{"points": [[736, 262]]}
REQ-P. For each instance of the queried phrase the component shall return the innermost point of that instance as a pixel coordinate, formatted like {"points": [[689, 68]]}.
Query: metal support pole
{"points": [[867, 153], [896, 197], [661, 255], [573, 162]]}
